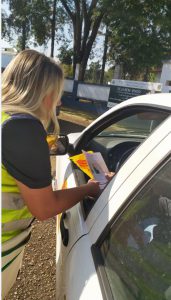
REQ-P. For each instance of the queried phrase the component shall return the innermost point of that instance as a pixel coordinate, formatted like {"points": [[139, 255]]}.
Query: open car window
{"points": [[122, 134], [120, 138]]}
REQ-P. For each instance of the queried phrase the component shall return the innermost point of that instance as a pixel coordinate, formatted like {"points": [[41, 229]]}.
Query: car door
{"points": [[78, 221], [126, 253], [70, 226]]}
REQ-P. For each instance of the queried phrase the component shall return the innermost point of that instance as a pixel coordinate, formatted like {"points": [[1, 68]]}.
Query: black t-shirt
{"points": [[25, 152]]}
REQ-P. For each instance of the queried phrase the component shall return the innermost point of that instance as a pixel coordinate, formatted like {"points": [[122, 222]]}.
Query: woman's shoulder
{"points": [[6, 117], [19, 118], [21, 123], [25, 152]]}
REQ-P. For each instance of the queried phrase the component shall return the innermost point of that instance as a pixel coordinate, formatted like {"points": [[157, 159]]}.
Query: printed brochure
{"points": [[93, 164]]}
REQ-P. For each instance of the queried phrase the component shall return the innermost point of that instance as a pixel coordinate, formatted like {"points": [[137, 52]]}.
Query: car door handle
{"points": [[64, 230]]}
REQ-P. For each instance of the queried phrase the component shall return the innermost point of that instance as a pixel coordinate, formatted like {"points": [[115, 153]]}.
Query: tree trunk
{"points": [[83, 38], [146, 75], [53, 28], [76, 47], [77, 26], [104, 55], [88, 47], [24, 38]]}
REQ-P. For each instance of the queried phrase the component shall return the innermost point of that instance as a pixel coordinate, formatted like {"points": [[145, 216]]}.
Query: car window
{"points": [[140, 124], [136, 253], [119, 140], [123, 134]]}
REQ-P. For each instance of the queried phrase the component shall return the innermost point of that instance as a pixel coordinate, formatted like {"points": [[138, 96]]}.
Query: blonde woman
{"points": [[31, 90]]}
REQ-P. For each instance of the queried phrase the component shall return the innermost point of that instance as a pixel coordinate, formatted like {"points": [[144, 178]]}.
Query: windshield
{"points": [[138, 125]]}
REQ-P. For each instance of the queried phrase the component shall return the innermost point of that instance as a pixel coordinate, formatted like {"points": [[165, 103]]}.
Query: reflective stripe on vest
{"points": [[8, 182], [15, 214]]}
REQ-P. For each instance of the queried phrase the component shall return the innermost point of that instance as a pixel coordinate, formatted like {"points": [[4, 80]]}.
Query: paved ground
{"points": [[37, 278], [38, 273]]}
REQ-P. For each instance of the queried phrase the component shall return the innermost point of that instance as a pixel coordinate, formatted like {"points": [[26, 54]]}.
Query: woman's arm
{"points": [[45, 203]]}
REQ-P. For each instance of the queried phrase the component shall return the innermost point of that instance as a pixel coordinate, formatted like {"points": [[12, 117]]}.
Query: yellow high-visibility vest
{"points": [[15, 215]]}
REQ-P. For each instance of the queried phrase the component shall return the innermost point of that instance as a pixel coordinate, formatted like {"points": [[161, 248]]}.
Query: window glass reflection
{"points": [[137, 250]]}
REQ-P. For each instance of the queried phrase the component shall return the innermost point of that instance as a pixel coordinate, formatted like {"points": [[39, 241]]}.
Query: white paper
{"points": [[97, 166]]}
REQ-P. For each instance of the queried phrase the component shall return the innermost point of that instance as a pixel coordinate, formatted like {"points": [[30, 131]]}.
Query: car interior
{"points": [[114, 150]]}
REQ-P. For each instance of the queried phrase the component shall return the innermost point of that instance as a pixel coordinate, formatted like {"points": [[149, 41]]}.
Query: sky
{"points": [[11, 44], [98, 48]]}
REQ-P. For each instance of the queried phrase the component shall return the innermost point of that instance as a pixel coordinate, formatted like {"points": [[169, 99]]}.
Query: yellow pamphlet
{"points": [[93, 164], [81, 161]]}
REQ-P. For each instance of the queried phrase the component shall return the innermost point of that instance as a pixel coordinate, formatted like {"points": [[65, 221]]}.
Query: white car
{"points": [[119, 245]]}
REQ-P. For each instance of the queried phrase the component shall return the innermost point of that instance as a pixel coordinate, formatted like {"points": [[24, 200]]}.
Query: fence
{"points": [[96, 98]]}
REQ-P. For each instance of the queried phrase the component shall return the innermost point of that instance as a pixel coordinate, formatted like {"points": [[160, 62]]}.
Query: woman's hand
{"points": [[109, 175], [94, 188], [95, 185]]}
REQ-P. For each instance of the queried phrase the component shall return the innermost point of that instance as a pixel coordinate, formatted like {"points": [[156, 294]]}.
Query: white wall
{"points": [[165, 78]]}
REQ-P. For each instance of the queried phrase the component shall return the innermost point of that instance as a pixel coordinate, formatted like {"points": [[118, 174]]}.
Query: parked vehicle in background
{"points": [[118, 246], [6, 57]]}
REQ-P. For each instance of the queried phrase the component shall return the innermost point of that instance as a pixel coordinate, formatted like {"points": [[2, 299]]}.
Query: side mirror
{"points": [[58, 145]]}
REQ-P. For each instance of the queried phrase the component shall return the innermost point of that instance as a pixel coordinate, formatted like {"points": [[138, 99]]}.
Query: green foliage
{"points": [[5, 32], [68, 70], [41, 20], [108, 75], [27, 19], [65, 55], [18, 21], [140, 34], [86, 18], [93, 72]]}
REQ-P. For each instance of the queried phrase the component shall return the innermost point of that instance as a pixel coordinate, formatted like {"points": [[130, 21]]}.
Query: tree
{"points": [[93, 72], [68, 71], [44, 22], [47, 20], [104, 58], [65, 55], [31, 19], [86, 17], [53, 27], [18, 22], [5, 32], [108, 75], [41, 21], [141, 34]]}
